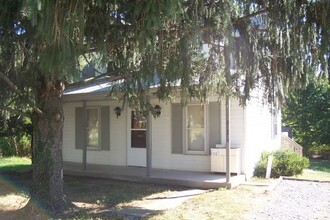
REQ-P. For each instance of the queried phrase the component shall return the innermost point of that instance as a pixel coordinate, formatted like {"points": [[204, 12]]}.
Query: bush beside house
{"points": [[285, 163]]}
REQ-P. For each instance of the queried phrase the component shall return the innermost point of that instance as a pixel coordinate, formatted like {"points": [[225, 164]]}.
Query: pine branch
{"points": [[14, 110], [14, 88], [246, 17], [11, 85], [89, 63]]}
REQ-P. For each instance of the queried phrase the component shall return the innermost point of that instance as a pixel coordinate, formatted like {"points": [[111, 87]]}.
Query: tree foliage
{"points": [[15, 136], [307, 111], [258, 43], [271, 43]]}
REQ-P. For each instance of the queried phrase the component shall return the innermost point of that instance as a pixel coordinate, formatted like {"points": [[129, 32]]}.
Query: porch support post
{"points": [[228, 139], [227, 52], [149, 141], [84, 136]]}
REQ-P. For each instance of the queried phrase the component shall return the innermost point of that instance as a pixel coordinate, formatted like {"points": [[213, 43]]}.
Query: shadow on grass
{"points": [[97, 197], [101, 198], [15, 175], [109, 193], [13, 168], [319, 165]]}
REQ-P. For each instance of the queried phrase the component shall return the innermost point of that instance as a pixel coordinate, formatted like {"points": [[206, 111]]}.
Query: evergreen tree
{"points": [[247, 44]]}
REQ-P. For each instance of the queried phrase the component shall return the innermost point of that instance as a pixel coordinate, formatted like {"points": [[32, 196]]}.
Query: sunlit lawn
{"points": [[317, 170], [12, 164]]}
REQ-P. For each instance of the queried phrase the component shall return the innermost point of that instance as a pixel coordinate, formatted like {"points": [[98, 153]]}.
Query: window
{"points": [[274, 125], [96, 132], [195, 129], [93, 128], [138, 131]]}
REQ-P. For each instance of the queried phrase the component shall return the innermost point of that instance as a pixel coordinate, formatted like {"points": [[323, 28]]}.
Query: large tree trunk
{"points": [[47, 161]]}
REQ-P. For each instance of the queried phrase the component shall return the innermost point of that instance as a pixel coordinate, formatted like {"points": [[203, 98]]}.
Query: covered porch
{"points": [[203, 180]]}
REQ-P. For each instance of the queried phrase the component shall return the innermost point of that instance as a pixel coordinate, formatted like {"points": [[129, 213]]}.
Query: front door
{"points": [[137, 139]]}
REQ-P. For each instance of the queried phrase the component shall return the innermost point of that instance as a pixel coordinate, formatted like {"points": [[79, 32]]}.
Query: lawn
{"points": [[97, 198], [317, 170], [13, 164], [319, 165]]}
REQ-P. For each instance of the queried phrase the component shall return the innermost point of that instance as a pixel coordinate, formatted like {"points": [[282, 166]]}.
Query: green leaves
{"points": [[307, 111], [285, 163], [274, 45]]}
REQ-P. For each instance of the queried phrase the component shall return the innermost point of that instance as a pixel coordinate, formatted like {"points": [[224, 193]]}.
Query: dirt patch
{"points": [[11, 200]]}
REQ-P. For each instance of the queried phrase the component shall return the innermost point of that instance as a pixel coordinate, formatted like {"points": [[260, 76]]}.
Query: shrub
{"points": [[285, 163], [22, 146], [6, 147], [321, 151]]}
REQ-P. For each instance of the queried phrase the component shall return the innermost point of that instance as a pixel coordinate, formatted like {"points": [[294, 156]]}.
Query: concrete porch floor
{"points": [[203, 180]]}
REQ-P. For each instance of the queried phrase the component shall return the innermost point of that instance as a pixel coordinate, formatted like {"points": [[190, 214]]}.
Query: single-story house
{"points": [[182, 137]]}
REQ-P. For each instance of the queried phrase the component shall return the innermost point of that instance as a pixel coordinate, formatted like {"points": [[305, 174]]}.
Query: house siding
{"points": [[258, 134], [117, 153], [161, 147], [236, 122], [250, 130]]}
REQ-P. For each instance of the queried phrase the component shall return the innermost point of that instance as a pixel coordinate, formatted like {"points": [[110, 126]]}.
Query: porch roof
{"points": [[203, 180]]}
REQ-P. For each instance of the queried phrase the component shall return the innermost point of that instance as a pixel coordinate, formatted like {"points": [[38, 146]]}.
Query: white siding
{"points": [[250, 130], [237, 123], [117, 153], [161, 147], [258, 134]]}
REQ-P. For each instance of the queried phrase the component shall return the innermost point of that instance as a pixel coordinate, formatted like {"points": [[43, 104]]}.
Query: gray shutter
{"points": [[105, 128], [177, 129], [214, 123], [79, 128]]}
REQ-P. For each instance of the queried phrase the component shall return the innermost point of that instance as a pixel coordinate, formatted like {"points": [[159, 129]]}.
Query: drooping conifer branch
{"points": [[14, 88]]}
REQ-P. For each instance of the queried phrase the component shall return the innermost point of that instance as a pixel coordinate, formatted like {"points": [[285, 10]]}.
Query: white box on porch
{"points": [[218, 159]]}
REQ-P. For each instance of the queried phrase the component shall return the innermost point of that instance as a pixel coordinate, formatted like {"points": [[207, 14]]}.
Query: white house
{"points": [[182, 137]]}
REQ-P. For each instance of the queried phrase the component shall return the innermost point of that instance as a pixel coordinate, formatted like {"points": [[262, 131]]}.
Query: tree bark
{"points": [[47, 161]]}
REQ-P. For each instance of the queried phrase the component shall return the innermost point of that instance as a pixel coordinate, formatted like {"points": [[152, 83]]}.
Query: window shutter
{"points": [[177, 129], [79, 128], [214, 123], [105, 128]]}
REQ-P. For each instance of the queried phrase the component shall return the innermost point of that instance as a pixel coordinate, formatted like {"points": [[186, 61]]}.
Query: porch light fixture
{"points": [[118, 111], [157, 109]]}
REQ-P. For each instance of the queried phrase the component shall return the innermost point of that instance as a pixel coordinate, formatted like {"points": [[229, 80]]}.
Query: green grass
{"points": [[13, 164], [317, 170], [217, 204], [319, 165]]}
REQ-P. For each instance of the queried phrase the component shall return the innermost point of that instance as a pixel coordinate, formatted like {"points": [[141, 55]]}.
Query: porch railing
{"points": [[288, 143]]}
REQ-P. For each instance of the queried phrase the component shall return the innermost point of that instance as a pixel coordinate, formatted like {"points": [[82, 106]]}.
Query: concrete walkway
{"points": [[145, 208]]}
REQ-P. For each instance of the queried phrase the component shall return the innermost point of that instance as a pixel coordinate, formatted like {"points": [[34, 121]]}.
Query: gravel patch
{"points": [[296, 200]]}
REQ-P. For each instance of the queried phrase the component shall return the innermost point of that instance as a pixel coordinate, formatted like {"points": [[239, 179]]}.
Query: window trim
{"points": [[137, 129], [185, 131], [98, 147], [274, 124]]}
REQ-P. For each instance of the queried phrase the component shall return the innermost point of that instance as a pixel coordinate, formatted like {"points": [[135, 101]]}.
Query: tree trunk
{"points": [[15, 145], [47, 161]]}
